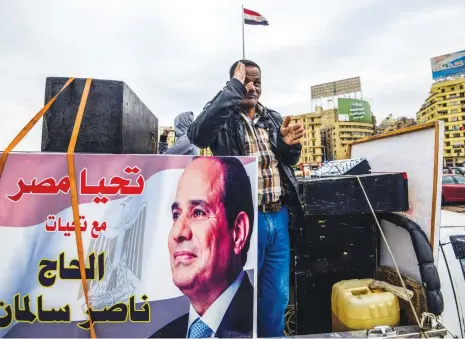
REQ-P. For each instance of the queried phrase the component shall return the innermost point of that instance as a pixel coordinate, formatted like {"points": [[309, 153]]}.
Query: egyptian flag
{"points": [[254, 18]]}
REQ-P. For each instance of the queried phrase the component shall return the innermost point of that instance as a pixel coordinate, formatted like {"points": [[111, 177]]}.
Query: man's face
{"points": [[200, 243], [252, 74]]}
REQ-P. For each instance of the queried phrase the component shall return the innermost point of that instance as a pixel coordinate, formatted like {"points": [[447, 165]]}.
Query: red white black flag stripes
{"points": [[254, 18], [251, 18]]}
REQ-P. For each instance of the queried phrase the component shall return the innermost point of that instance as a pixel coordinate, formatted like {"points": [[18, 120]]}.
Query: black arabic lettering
{"points": [[116, 314], [6, 319], [25, 314], [52, 315], [46, 276], [72, 272], [139, 315]]}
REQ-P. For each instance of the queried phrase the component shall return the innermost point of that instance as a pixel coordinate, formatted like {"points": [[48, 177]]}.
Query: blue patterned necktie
{"points": [[200, 330]]}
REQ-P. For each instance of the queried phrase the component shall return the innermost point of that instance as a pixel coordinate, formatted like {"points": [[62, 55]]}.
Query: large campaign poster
{"points": [[167, 239]]}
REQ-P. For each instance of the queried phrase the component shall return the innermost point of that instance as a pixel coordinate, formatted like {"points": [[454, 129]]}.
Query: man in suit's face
{"points": [[205, 252]]}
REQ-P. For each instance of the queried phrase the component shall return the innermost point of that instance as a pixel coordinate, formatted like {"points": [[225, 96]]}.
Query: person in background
{"points": [[182, 145], [234, 123]]}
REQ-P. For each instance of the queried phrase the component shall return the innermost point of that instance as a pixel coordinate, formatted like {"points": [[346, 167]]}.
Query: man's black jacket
{"points": [[220, 128]]}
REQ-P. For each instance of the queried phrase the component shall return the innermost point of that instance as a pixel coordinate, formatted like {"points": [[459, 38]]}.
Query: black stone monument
{"points": [[115, 119]]}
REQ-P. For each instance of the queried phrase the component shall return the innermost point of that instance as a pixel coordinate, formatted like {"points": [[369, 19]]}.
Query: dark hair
{"points": [[237, 194], [246, 63]]}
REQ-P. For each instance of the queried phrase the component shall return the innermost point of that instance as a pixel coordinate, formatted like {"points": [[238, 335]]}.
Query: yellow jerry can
{"points": [[356, 307]]}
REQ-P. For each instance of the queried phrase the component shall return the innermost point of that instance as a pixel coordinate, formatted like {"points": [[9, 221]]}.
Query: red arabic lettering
{"points": [[59, 226], [98, 228], [117, 185], [46, 186]]}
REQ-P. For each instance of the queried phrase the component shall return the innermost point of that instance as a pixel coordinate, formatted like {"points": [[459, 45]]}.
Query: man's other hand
{"points": [[239, 72], [291, 134]]}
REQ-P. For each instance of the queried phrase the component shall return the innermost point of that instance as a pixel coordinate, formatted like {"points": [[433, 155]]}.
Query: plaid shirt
{"points": [[257, 144]]}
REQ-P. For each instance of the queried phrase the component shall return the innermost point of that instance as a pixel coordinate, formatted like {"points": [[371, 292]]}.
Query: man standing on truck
{"points": [[234, 123]]}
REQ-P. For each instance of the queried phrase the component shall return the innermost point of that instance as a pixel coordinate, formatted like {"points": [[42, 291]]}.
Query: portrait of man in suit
{"points": [[213, 217]]}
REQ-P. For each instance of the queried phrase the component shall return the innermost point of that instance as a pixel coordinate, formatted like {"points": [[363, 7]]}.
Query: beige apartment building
{"points": [[391, 124], [446, 102], [337, 135], [327, 138], [312, 148]]}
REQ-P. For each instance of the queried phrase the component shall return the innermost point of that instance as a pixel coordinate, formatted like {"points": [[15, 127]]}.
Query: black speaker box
{"points": [[343, 195], [115, 119], [334, 248]]}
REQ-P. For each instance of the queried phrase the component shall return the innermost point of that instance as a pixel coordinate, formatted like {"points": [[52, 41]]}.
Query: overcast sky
{"points": [[175, 55]]}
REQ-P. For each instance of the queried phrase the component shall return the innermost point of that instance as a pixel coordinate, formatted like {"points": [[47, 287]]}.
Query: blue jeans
{"points": [[273, 272]]}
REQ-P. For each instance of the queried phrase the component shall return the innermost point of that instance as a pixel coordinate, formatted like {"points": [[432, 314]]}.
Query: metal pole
{"points": [[243, 41]]}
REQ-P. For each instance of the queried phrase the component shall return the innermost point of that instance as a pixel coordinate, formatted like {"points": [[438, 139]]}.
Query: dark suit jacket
{"points": [[237, 321]]}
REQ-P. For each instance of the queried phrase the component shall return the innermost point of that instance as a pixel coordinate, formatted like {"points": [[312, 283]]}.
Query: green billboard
{"points": [[354, 110]]}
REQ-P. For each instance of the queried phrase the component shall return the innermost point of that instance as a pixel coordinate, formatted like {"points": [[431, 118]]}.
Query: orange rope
{"points": [[71, 170], [28, 127], [74, 196]]}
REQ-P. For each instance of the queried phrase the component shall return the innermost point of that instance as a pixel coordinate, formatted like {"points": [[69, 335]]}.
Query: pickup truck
{"points": [[385, 236]]}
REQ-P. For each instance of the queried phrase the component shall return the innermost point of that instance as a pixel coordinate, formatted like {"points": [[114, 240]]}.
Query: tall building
{"points": [[312, 149], [337, 135], [446, 102], [391, 124], [327, 138]]}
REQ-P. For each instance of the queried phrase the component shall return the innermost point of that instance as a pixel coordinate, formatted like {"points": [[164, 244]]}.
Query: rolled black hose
{"points": [[424, 253]]}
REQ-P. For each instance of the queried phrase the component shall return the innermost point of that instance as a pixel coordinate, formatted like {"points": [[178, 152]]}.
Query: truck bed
{"points": [[454, 208], [401, 331]]}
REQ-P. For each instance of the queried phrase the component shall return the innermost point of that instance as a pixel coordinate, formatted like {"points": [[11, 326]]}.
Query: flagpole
{"points": [[243, 41]]}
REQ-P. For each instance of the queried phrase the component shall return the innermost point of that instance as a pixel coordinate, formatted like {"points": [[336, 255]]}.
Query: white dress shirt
{"points": [[215, 313]]}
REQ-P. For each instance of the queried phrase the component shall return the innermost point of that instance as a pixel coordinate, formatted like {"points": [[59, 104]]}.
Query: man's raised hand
{"points": [[239, 72], [291, 134]]}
